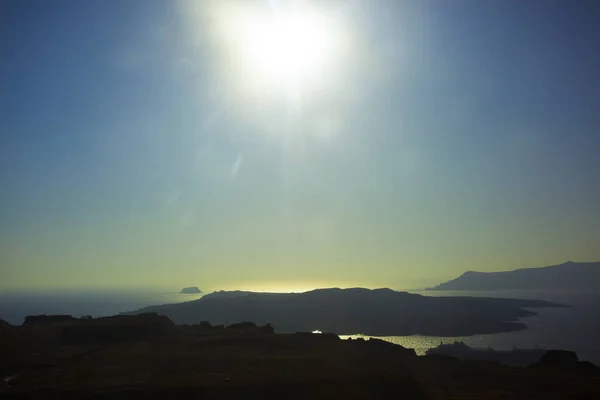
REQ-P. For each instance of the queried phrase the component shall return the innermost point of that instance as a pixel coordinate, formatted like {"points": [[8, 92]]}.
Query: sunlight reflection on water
{"points": [[423, 343], [572, 328]]}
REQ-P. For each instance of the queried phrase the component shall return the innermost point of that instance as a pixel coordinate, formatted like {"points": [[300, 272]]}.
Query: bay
{"points": [[575, 328]]}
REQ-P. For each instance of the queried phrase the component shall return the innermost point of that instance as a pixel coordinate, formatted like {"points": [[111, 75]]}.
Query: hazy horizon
{"points": [[263, 144]]}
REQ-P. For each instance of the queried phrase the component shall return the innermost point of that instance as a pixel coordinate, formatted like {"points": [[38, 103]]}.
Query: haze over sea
{"points": [[551, 328]]}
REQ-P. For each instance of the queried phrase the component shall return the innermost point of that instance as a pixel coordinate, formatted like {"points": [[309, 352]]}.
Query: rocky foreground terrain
{"points": [[148, 356]]}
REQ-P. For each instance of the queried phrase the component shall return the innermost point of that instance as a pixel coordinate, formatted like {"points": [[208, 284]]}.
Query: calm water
{"points": [[576, 328], [14, 307]]}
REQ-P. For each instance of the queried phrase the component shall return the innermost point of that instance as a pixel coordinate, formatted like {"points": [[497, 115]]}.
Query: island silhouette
{"points": [[378, 312], [190, 290], [568, 276]]}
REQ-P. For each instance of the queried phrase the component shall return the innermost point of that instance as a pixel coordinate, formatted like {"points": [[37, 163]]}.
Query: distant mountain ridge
{"points": [[570, 275], [377, 312], [227, 294]]}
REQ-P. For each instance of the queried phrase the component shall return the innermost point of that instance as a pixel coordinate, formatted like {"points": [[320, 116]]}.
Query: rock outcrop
{"points": [[190, 290], [563, 360], [48, 319], [116, 329], [461, 351]]}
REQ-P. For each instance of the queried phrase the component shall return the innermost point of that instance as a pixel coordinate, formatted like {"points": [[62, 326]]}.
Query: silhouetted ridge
{"points": [[570, 275], [378, 312], [148, 357], [461, 351]]}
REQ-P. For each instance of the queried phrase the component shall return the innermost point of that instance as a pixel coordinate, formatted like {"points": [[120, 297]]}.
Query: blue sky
{"points": [[137, 149]]}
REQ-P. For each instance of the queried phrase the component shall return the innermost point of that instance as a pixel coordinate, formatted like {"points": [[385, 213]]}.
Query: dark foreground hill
{"points": [[515, 357], [570, 275], [64, 358], [380, 312]]}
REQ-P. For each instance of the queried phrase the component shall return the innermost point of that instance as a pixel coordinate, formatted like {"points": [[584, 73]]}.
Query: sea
{"points": [[575, 328]]}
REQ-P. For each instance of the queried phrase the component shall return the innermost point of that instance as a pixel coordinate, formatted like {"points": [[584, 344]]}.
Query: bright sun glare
{"points": [[285, 46]]}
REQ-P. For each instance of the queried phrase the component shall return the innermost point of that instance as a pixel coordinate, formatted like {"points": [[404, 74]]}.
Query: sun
{"points": [[285, 47], [272, 62]]}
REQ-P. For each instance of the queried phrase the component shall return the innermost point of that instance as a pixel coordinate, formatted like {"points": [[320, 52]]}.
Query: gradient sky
{"points": [[446, 136]]}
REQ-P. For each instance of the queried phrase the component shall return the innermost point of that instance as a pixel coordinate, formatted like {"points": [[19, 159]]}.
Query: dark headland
{"points": [[567, 276], [148, 356], [379, 312]]}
